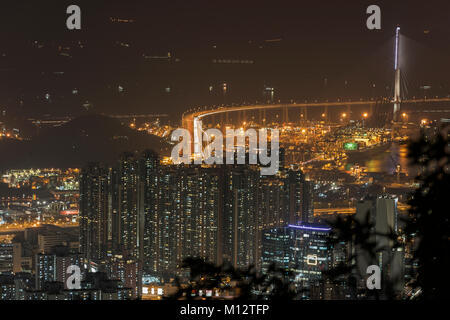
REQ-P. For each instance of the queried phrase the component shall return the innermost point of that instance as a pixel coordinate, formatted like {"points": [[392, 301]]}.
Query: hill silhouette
{"points": [[84, 139]]}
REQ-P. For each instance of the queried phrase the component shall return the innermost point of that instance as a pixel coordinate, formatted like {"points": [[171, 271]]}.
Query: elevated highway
{"points": [[188, 119]]}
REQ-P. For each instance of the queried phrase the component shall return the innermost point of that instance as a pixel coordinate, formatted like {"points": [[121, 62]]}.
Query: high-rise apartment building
{"points": [[149, 173], [6, 257], [302, 249], [241, 220], [158, 215], [299, 195], [381, 213], [94, 211], [130, 206], [52, 267]]}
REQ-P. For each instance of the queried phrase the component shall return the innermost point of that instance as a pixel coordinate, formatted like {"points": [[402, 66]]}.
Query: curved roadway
{"points": [[188, 120]]}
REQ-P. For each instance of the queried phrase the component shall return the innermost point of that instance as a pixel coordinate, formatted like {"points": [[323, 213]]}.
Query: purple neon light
{"points": [[309, 228]]}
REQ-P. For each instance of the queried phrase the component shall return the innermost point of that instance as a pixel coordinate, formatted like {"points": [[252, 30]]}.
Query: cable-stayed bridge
{"points": [[193, 119]]}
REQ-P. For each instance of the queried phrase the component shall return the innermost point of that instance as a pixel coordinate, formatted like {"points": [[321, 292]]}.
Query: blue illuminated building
{"points": [[302, 250]]}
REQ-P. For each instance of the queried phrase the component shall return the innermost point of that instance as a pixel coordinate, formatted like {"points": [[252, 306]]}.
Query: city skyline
{"points": [[224, 151]]}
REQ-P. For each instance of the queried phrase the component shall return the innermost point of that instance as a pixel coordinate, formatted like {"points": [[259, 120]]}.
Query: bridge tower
{"points": [[285, 115], [397, 96]]}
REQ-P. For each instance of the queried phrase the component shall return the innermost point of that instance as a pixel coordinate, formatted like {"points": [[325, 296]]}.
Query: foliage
{"points": [[430, 213], [245, 284], [360, 235]]}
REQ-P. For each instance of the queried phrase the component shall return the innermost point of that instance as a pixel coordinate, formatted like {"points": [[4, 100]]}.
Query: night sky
{"points": [[324, 44]]}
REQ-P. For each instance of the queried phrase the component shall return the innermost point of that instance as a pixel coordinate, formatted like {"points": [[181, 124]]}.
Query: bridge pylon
{"points": [[397, 83], [285, 115]]}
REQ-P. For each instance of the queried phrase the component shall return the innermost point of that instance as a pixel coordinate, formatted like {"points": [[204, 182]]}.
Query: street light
{"points": [[365, 115]]}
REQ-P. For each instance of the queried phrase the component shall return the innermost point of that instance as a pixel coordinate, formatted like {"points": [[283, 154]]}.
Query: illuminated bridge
{"points": [[193, 120], [197, 116]]}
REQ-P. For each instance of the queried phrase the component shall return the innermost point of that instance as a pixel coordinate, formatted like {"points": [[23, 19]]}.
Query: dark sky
{"points": [[194, 22], [320, 40], [199, 21]]}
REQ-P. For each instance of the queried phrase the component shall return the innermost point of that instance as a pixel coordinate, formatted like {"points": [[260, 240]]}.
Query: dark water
{"points": [[387, 161]]}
